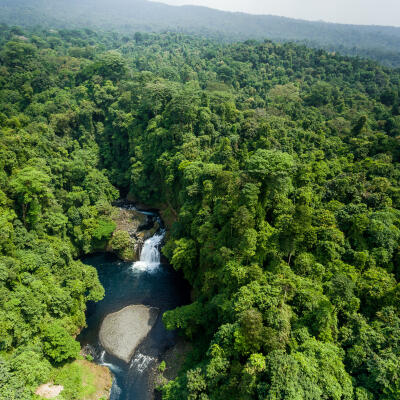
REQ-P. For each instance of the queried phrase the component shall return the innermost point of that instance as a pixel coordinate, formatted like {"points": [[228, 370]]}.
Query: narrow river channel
{"points": [[149, 282]]}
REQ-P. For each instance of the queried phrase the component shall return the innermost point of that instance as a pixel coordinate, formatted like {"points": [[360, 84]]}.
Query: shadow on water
{"points": [[155, 285]]}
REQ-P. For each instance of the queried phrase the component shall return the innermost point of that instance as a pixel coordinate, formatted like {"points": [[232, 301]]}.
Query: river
{"points": [[149, 282]]}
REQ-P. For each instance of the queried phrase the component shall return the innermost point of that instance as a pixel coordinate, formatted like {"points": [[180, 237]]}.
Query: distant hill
{"points": [[377, 42]]}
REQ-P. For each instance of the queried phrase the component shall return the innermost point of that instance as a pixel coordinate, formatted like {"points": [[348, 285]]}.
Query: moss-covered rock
{"points": [[123, 245], [132, 230]]}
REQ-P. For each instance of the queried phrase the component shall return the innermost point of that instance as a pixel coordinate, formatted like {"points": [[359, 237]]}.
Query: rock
{"points": [[147, 234], [174, 359], [129, 220], [49, 391], [121, 332], [132, 230]]}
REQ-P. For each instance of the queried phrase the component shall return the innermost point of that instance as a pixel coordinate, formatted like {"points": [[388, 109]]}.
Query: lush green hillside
{"points": [[281, 164], [376, 42]]}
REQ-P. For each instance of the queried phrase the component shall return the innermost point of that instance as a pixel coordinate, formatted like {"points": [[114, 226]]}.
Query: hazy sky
{"points": [[372, 12]]}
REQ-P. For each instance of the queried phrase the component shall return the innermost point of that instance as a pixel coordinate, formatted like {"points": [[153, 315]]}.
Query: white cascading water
{"points": [[141, 362], [115, 389], [150, 255], [112, 367], [135, 374]]}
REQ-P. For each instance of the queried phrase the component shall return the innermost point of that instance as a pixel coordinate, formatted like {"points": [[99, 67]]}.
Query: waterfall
{"points": [[110, 366], [150, 255], [102, 355], [145, 282], [115, 389]]}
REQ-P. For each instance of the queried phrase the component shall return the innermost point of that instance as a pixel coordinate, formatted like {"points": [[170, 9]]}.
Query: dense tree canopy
{"points": [[279, 166], [127, 16]]}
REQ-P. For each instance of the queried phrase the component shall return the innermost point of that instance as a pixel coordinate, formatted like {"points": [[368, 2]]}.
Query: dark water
{"points": [[125, 283]]}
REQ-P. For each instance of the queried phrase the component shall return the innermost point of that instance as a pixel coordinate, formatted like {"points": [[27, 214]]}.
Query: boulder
{"points": [[122, 332]]}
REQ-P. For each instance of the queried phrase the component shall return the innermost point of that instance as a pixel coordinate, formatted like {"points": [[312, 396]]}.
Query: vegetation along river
{"points": [[148, 282]]}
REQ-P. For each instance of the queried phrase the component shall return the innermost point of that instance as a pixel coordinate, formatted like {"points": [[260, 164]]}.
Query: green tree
{"points": [[58, 344]]}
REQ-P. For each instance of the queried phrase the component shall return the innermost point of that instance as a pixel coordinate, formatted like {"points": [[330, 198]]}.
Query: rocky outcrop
{"points": [[133, 229], [122, 332], [129, 220]]}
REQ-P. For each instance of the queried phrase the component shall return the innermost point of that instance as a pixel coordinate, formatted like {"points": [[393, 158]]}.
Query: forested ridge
{"points": [[281, 166], [381, 43]]}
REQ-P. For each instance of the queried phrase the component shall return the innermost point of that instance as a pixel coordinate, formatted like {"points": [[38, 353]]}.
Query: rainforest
{"points": [[276, 168]]}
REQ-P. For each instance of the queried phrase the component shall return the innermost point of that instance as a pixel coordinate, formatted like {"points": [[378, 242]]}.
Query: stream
{"points": [[149, 282]]}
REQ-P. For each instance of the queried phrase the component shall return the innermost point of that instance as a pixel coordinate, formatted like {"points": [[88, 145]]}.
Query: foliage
{"points": [[122, 244], [58, 345], [280, 167], [77, 379], [378, 42]]}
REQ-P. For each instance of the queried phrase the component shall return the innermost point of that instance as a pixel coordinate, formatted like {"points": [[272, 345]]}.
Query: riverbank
{"points": [[172, 362], [81, 379]]}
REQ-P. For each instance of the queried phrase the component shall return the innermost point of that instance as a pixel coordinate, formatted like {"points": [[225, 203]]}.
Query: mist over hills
{"points": [[377, 42]]}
